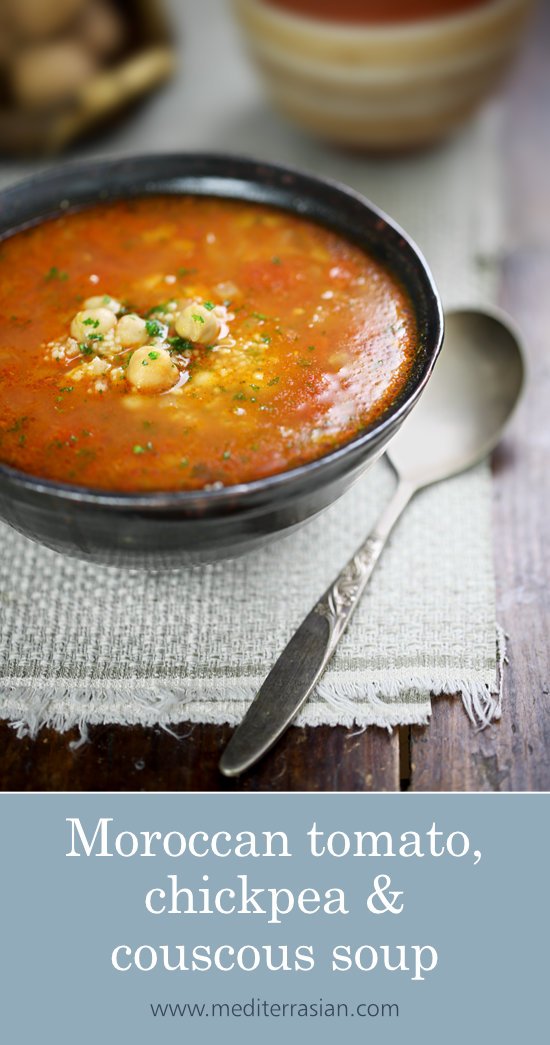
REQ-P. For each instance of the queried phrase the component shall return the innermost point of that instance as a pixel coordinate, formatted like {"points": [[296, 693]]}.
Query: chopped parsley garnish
{"points": [[266, 340], [180, 344], [209, 305], [86, 350], [239, 395], [181, 272], [153, 355], [275, 260], [89, 322], [153, 327], [259, 315], [137, 449], [197, 318], [226, 455], [56, 273], [274, 381], [67, 388]]}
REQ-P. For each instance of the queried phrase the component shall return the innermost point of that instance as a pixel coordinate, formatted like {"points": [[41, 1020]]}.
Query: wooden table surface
{"points": [[448, 755]]}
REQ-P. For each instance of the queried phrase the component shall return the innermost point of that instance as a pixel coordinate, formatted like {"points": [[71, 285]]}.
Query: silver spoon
{"points": [[470, 397]]}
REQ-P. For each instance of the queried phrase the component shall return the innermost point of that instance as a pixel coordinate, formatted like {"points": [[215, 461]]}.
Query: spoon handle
{"points": [[304, 659]]}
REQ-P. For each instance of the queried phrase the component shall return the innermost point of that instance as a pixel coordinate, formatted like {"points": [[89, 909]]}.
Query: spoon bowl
{"points": [[473, 390]]}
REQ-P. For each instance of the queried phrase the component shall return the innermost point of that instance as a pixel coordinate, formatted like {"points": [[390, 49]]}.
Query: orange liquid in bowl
{"points": [[315, 341], [377, 11]]}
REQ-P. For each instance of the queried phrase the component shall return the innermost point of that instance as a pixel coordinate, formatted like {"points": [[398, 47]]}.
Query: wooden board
{"points": [[514, 755], [134, 759]]}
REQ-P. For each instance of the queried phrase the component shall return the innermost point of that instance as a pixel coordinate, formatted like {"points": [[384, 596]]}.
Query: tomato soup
{"points": [[377, 11], [180, 342]]}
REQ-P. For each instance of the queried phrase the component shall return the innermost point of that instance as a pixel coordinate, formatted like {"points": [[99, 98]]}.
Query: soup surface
{"points": [[180, 342], [377, 11]]}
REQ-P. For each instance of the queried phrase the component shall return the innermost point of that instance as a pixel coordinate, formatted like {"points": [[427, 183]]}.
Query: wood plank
{"points": [[119, 758], [514, 755]]}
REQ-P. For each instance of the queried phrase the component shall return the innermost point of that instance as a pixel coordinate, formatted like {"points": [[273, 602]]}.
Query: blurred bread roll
{"points": [[36, 19], [44, 75], [101, 28]]}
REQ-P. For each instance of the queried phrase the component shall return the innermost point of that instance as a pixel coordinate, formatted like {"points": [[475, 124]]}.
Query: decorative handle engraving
{"points": [[340, 599], [301, 664]]}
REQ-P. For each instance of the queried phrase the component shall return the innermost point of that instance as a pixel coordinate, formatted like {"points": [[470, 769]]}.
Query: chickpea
{"points": [[131, 330], [152, 370], [103, 301], [92, 321], [198, 324]]}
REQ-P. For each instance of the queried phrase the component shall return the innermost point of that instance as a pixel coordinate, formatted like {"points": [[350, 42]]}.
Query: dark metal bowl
{"points": [[169, 529]]}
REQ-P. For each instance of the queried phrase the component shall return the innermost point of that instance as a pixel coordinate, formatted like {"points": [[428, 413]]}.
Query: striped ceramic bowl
{"points": [[382, 86]]}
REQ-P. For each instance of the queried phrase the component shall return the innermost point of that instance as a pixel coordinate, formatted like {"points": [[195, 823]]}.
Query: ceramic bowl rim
{"points": [[388, 32]]}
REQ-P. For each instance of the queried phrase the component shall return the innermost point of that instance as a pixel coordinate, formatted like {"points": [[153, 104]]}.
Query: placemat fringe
{"points": [[387, 702]]}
